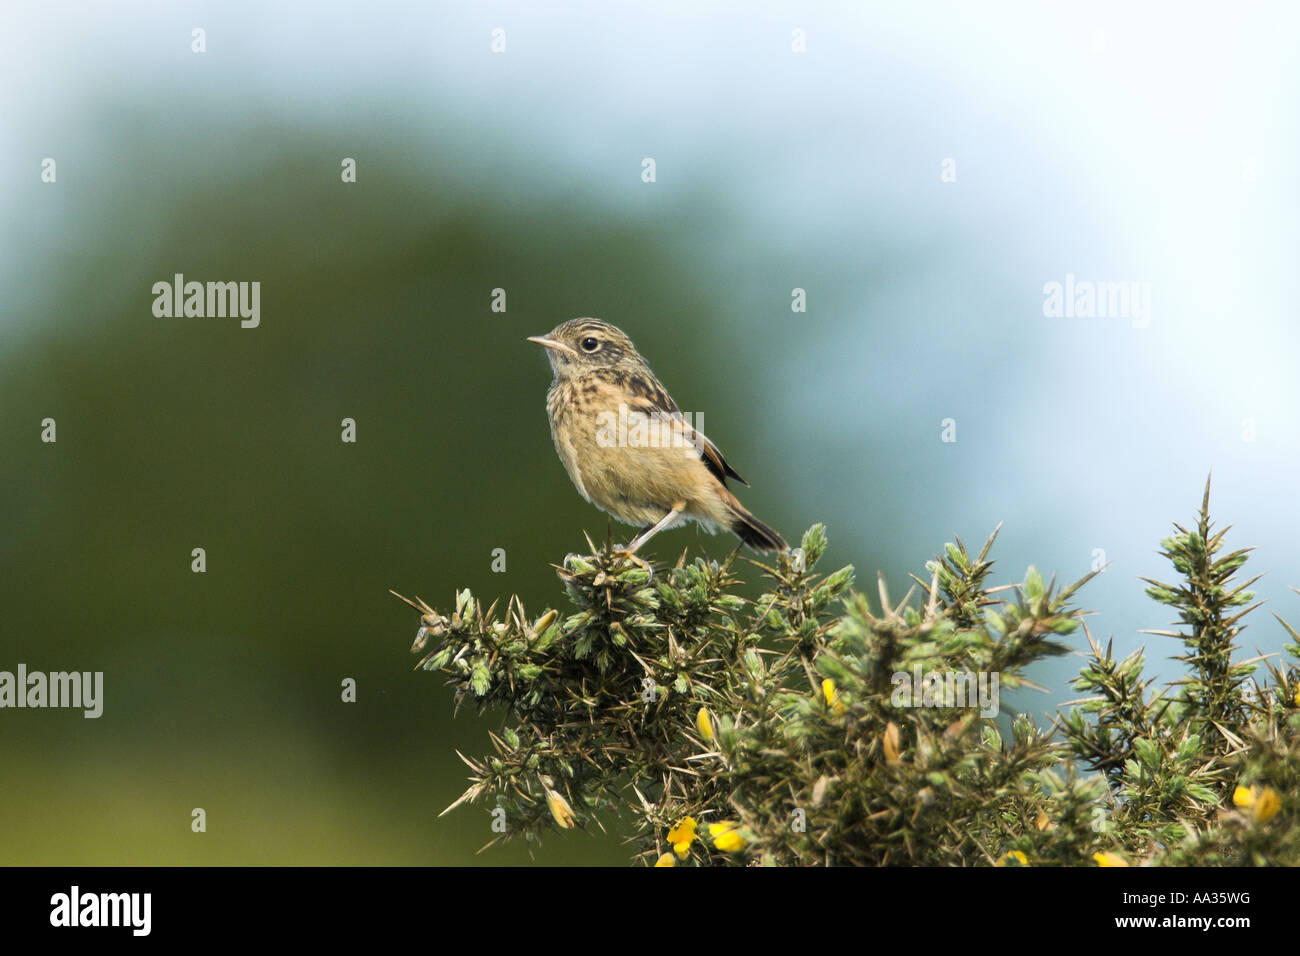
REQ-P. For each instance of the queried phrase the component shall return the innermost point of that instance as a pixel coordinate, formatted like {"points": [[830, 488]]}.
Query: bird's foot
{"points": [[629, 554]]}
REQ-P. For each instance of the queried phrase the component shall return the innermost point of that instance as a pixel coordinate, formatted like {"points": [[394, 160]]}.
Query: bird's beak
{"points": [[551, 344]]}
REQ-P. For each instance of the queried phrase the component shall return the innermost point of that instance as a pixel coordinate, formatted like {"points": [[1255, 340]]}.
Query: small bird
{"points": [[626, 445]]}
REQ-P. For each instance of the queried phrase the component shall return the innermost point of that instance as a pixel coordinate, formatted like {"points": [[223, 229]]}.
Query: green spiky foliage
{"points": [[1174, 756], [813, 725]]}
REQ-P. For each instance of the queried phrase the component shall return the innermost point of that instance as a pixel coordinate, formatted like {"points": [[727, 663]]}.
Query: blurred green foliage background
{"points": [[223, 688]]}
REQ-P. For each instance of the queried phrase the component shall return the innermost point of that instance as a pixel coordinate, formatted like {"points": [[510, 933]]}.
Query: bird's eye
{"points": [[589, 344]]}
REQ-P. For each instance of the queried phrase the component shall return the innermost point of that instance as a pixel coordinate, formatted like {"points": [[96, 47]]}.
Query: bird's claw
{"points": [[626, 555]]}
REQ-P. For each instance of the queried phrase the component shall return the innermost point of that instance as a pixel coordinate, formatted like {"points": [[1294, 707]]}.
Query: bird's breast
{"points": [[632, 465]]}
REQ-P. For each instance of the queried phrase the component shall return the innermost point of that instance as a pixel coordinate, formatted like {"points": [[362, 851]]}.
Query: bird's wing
{"points": [[714, 461], [655, 399]]}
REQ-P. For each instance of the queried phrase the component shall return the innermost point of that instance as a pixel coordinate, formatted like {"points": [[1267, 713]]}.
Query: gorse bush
{"points": [[813, 727]]}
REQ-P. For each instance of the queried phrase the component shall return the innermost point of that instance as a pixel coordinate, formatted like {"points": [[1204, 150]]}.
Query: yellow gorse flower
{"points": [[666, 859], [1296, 699], [1262, 802], [1109, 859], [726, 837], [704, 724], [893, 743], [682, 836], [1267, 806], [545, 621], [1014, 858], [832, 697], [560, 809]]}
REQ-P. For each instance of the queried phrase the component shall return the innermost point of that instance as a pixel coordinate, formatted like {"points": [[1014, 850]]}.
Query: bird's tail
{"points": [[752, 531]]}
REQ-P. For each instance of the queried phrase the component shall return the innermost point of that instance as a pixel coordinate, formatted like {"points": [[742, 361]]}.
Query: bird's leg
{"points": [[654, 529]]}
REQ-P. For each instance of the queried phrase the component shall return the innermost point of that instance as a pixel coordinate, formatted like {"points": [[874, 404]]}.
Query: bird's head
{"points": [[583, 345]]}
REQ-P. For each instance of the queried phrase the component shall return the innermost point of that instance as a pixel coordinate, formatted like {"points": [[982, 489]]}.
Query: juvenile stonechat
{"points": [[659, 472]]}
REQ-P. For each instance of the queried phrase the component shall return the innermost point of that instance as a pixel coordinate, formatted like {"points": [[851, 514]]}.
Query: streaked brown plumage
{"points": [[674, 475]]}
